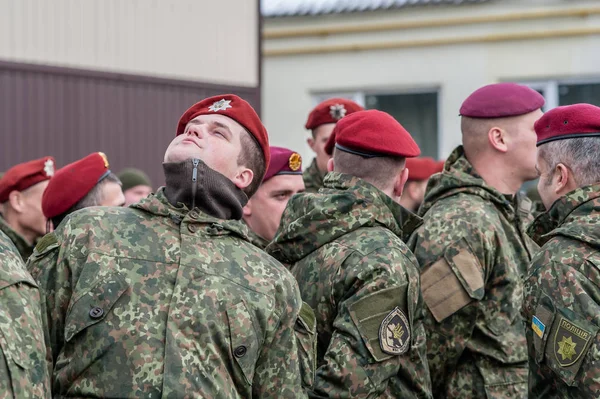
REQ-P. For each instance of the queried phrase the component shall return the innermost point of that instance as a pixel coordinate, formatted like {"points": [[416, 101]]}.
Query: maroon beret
{"points": [[372, 134], [24, 175], [72, 182], [501, 100], [568, 122], [422, 168], [235, 108], [283, 162], [331, 111]]}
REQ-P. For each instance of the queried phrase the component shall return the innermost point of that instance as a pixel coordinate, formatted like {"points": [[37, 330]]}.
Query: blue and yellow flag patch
{"points": [[538, 327]]}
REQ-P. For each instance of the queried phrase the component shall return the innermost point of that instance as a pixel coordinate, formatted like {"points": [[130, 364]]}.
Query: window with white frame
{"points": [[417, 111], [568, 91]]}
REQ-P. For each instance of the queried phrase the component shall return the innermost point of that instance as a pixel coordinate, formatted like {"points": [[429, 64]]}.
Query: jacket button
{"points": [[192, 228], [194, 215], [240, 351], [96, 312]]}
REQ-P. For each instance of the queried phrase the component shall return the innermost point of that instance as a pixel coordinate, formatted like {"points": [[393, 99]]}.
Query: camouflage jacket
{"points": [[25, 249], [155, 300], [313, 178], [473, 251], [345, 249], [23, 367], [562, 299]]}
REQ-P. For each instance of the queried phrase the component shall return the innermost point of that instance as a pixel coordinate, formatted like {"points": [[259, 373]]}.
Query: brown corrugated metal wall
{"points": [[70, 113]]}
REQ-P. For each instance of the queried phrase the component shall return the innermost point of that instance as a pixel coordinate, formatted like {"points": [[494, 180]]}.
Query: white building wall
{"points": [[201, 40], [519, 47]]}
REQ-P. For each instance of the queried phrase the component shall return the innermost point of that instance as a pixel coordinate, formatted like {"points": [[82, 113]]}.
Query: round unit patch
{"points": [[394, 333]]}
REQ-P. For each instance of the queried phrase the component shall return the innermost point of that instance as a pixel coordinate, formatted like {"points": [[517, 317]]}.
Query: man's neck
{"points": [[27, 234], [497, 175]]}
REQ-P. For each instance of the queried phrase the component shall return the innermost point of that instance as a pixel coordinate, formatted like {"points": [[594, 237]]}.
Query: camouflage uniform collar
{"points": [[460, 176], [25, 249], [158, 205], [402, 222], [343, 205], [570, 216], [313, 175]]}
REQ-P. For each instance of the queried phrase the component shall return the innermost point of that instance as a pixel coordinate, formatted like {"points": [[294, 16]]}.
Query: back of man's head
{"points": [[570, 135], [373, 146]]}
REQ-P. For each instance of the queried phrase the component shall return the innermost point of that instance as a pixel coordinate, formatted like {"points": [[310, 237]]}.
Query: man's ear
{"points": [[330, 165], [564, 181], [311, 143], [400, 182], [15, 199], [243, 178], [497, 138], [247, 209]]}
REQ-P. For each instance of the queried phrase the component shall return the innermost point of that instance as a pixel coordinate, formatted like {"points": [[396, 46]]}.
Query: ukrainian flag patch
{"points": [[538, 327]]}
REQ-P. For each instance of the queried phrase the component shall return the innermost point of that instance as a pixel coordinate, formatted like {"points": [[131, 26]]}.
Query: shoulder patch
{"points": [[570, 342], [46, 242], [394, 333]]}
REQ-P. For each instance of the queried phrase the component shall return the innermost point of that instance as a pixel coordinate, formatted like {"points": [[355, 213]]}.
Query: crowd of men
{"points": [[371, 273]]}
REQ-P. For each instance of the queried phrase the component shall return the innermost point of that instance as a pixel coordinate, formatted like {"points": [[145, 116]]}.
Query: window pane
{"points": [[579, 93], [418, 113]]}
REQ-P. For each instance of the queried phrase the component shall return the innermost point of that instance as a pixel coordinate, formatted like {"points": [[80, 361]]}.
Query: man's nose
{"points": [[195, 130]]}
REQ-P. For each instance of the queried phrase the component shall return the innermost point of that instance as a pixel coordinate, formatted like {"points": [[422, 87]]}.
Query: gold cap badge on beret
{"points": [[221, 105], [295, 161], [103, 155], [337, 111]]}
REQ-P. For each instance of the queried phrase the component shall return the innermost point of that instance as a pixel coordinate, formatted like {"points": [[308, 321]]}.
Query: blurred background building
{"points": [[419, 59], [79, 76]]}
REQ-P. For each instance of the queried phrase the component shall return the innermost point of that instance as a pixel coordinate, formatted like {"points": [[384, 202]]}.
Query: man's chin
{"points": [[181, 156]]}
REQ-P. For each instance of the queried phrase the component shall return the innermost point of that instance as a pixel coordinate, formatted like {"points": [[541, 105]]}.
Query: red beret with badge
{"points": [[422, 168], [283, 162], [501, 100], [373, 134], [331, 111], [22, 176], [568, 122], [73, 182], [233, 107]]}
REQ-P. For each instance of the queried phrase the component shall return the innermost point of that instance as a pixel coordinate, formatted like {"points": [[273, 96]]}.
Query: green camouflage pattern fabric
{"points": [[313, 178], [473, 252], [344, 245], [25, 249], [23, 366], [562, 299], [305, 329], [158, 301]]}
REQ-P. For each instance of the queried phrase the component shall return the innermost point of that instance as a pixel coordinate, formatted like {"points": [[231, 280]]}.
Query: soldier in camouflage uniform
{"points": [[23, 367], [562, 293], [473, 250], [21, 191], [320, 122], [283, 179], [168, 298], [344, 245]]}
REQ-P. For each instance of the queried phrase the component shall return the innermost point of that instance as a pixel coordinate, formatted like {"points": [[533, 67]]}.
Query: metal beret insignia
{"points": [[394, 333], [103, 155], [221, 105], [337, 111], [295, 161]]}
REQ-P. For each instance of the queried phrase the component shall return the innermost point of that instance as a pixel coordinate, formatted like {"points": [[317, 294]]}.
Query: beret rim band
{"points": [[285, 172], [359, 153], [568, 136]]}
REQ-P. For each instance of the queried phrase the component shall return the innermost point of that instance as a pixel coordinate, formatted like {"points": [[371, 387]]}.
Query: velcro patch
{"points": [[394, 333]]}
